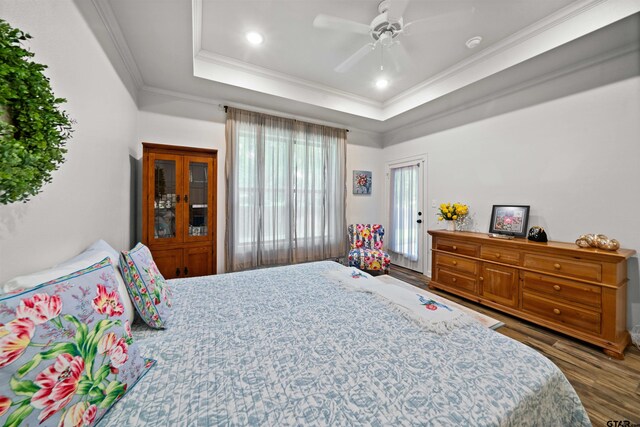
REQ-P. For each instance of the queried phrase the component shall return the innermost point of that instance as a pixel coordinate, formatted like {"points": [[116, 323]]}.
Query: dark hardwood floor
{"points": [[609, 388]]}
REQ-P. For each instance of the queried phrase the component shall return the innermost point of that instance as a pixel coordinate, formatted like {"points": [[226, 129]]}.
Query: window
{"points": [[286, 187]]}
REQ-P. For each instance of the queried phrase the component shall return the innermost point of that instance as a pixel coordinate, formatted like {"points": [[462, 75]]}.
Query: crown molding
{"points": [[196, 22], [180, 96], [119, 42], [276, 76]]}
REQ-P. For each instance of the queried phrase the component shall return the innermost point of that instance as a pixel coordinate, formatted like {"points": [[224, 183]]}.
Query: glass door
{"points": [[165, 198], [406, 214], [198, 198]]}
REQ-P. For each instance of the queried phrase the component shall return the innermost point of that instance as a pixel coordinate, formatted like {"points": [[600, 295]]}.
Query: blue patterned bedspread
{"points": [[289, 346]]}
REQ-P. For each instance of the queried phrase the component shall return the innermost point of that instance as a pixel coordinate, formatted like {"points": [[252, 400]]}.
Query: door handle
{"points": [[178, 271], [419, 221]]}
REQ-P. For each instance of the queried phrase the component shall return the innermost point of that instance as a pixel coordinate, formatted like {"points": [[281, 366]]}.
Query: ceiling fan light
{"points": [[254, 38], [382, 83]]}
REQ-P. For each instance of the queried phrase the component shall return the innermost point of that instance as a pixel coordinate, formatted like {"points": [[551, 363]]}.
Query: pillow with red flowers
{"points": [[66, 350], [147, 288]]}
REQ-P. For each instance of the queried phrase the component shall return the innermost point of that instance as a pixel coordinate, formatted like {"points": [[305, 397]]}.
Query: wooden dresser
{"points": [[579, 292]]}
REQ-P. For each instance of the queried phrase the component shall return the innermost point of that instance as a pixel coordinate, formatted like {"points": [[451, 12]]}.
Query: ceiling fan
{"points": [[383, 30]]}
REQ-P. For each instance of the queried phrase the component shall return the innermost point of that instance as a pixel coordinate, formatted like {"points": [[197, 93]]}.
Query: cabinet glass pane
{"points": [[198, 199], [165, 199]]}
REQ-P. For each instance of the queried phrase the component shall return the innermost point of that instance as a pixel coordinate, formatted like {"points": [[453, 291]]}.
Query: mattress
{"points": [[291, 346]]}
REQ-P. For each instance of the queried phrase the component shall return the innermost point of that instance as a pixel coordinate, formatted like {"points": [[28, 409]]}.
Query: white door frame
{"points": [[421, 159]]}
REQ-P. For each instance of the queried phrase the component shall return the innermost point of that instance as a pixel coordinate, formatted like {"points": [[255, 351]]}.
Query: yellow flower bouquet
{"points": [[452, 211]]}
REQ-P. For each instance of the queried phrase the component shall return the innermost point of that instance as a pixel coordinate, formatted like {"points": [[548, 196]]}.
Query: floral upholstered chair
{"points": [[366, 252]]}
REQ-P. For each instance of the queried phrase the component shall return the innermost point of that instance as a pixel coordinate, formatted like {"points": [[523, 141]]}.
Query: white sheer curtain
{"points": [[285, 191], [404, 233]]}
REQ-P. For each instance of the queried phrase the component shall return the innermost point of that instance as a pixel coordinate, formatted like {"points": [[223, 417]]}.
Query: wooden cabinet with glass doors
{"points": [[179, 209]]}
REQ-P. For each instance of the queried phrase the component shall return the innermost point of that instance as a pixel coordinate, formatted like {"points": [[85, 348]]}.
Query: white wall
{"points": [[89, 197], [574, 160], [172, 130], [365, 208]]}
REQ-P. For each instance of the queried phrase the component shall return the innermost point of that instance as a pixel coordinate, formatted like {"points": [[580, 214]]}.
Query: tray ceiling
{"points": [[199, 49]]}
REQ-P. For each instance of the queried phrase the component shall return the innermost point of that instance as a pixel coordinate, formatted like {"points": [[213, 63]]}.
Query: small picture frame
{"points": [[361, 182], [510, 220]]}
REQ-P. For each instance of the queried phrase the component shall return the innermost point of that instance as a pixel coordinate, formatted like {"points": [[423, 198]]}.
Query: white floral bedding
{"points": [[289, 346]]}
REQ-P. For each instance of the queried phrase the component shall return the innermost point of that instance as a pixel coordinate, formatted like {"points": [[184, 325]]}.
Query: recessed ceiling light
{"points": [[382, 83], [473, 42], [254, 38]]}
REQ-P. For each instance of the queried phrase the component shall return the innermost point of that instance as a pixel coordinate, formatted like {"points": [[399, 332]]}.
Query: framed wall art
{"points": [[510, 220], [361, 182]]}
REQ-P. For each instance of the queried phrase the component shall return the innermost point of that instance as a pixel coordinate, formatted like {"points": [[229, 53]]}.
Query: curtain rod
{"points": [[226, 108]]}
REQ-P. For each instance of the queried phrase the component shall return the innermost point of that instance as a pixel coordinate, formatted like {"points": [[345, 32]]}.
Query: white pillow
{"points": [[93, 254]]}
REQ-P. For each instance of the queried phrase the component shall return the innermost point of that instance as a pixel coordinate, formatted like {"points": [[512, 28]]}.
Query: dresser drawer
{"points": [[457, 263], [564, 290], [568, 267], [494, 253], [585, 320], [457, 247], [456, 280]]}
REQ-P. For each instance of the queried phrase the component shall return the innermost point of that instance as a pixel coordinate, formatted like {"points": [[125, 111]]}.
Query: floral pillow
{"points": [[147, 288], [66, 350]]}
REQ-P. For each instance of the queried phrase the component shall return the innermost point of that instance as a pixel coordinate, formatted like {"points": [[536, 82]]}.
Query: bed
{"points": [[291, 346]]}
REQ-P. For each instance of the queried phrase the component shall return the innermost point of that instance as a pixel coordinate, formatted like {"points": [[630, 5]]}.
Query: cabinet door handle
{"points": [[177, 198], [178, 271], [481, 278], [497, 255], [556, 311], [419, 221], [557, 287], [455, 262], [186, 198], [186, 271], [454, 280], [455, 248], [557, 266]]}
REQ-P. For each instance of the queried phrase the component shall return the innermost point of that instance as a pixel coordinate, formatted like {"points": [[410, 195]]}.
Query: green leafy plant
{"points": [[33, 129]]}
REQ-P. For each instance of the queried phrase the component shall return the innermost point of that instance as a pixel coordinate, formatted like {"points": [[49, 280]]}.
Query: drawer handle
{"points": [[556, 311], [497, 255], [557, 287], [481, 278], [455, 248], [454, 280], [557, 266], [455, 262]]}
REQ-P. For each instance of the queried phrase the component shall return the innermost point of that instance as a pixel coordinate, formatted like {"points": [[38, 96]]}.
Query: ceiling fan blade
{"points": [[334, 23], [353, 59], [397, 8], [438, 22]]}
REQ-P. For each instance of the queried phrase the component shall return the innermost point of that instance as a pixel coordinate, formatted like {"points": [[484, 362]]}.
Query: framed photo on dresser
{"points": [[510, 220]]}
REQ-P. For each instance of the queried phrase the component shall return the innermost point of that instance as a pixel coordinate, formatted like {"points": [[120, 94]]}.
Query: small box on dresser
{"points": [[579, 292]]}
